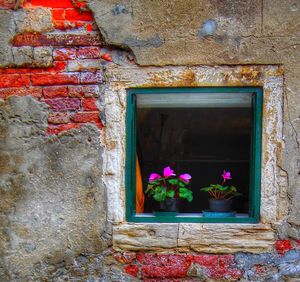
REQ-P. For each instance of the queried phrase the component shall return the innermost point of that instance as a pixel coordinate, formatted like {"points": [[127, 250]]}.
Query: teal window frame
{"points": [[255, 160]]}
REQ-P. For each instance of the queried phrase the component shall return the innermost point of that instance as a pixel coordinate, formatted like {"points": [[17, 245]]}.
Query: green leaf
{"points": [[173, 181], [160, 193], [170, 193], [223, 188], [185, 193], [206, 189]]}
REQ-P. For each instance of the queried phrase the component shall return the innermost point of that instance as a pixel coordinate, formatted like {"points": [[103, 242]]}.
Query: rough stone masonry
{"points": [[64, 66]]}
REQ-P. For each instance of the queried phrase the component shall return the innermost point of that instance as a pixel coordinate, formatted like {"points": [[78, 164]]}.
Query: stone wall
{"points": [[64, 66]]}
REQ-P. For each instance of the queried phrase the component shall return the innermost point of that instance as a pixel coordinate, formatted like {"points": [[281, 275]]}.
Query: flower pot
{"points": [[220, 205], [169, 205]]}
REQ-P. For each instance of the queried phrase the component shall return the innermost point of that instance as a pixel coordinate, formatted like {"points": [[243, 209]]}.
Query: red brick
{"points": [[55, 79], [23, 91], [63, 54], [56, 129], [283, 246], [89, 104], [132, 270], [48, 3], [88, 52], [58, 118], [59, 66], [74, 15], [84, 91], [58, 14], [82, 117], [38, 39], [55, 91], [63, 104], [7, 4], [164, 271], [91, 77], [14, 80], [207, 260]]}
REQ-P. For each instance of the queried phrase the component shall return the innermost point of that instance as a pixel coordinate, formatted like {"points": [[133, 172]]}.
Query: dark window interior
{"points": [[200, 141]]}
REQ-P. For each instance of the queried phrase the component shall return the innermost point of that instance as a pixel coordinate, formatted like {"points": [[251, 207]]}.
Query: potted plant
{"points": [[169, 189], [221, 195]]}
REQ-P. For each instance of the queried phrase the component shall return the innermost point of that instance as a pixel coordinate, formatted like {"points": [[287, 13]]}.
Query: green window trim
{"points": [[255, 161]]}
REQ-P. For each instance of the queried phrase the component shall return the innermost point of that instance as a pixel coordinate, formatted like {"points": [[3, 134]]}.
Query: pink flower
{"points": [[226, 175], [185, 177], [168, 172], [154, 176]]}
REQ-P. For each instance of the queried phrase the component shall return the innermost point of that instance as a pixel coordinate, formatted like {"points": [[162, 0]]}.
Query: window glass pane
{"points": [[195, 100], [202, 134]]}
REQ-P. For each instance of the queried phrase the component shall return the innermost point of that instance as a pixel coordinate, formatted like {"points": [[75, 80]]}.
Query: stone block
{"points": [[43, 56], [33, 20], [85, 64], [23, 55], [225, 238], [6, 31], [152, 236]]}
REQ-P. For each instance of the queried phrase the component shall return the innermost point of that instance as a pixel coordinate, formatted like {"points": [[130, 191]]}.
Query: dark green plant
{"points": [[221, 192], [169, 186]]}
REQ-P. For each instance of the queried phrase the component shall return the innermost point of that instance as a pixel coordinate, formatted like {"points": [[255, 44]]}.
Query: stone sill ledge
{"points": [[187, 237]]}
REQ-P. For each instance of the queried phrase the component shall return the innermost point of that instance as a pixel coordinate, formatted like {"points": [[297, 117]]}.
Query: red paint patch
{"points": [[48, 3], [132, 270], [89, 27], [74, 15], [106, 57], [283, 246]]}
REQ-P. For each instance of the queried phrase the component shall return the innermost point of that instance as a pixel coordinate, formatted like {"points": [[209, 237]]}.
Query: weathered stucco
{"points": [[52, 198]]}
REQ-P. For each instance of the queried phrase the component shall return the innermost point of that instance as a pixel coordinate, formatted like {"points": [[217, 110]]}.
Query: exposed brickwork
{"points": [[71, 85]]}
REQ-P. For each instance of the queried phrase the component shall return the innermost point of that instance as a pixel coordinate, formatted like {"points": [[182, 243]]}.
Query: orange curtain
{"points": [[140, 198]]}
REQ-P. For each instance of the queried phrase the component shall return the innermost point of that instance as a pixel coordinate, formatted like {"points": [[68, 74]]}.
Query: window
{"points": [[200, 131]]}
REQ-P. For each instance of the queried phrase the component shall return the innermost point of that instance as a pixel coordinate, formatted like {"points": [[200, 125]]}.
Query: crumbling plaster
{"points": [[52, 200]]}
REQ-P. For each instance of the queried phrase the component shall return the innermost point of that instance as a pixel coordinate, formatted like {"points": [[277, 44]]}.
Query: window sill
{"points": [[197, 237]]}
